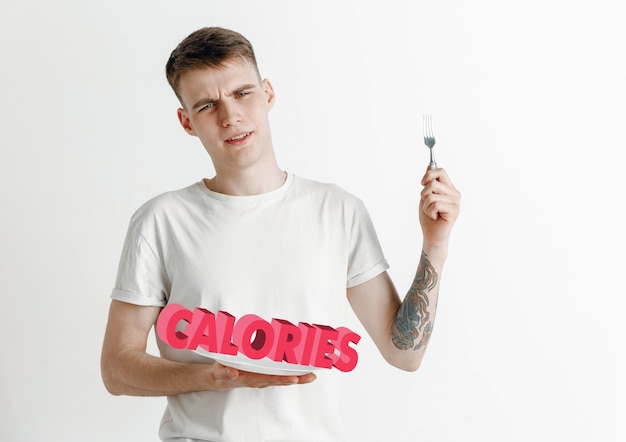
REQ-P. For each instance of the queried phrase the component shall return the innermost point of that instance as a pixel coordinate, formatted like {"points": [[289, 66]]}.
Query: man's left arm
{"points": [[401, 329]]}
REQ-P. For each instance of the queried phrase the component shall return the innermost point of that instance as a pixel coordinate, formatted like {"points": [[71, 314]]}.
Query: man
{"points": [[255, 239]]}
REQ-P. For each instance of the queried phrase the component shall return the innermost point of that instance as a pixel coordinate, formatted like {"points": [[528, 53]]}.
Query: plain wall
{"points": [[528, 105]]}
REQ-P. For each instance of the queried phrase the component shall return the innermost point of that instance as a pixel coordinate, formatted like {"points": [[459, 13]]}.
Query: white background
{"points": [[528, 99]]}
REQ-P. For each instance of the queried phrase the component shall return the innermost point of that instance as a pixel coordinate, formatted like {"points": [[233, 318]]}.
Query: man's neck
{"points": [[247, 182]]}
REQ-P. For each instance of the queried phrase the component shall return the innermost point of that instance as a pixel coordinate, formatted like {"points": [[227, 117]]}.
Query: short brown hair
{"points": [[207, 48]]}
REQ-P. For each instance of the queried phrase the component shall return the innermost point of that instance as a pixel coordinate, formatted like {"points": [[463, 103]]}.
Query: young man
{"points": [[255, 239]]}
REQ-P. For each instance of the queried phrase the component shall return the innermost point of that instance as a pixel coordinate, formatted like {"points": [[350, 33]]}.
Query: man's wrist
{"points": [[435, 252]]}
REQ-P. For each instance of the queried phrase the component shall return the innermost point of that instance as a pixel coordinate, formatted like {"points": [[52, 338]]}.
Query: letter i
{"points": [[304, 349]]}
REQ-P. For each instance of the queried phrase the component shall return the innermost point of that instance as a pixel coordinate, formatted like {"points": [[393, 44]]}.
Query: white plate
{"points": [[261, 366]]}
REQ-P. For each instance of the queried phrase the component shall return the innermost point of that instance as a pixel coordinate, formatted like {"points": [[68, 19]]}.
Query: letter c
{"points": [[167, 322]]}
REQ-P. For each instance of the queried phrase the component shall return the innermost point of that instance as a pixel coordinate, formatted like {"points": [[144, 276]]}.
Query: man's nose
{"points": [[230, 114]]}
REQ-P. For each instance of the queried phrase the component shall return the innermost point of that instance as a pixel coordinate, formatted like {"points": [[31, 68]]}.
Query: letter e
{"points": [[324, 352]]}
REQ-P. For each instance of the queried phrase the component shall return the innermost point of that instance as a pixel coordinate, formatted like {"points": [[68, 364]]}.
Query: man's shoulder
{"points": [[166, 202], [325, 189]]}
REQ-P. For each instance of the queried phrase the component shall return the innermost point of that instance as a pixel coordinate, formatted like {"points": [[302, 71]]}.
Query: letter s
{"points": [[348, 357]]}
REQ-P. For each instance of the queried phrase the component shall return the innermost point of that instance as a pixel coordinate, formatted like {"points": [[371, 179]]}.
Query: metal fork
{"points": [[429, 139]]}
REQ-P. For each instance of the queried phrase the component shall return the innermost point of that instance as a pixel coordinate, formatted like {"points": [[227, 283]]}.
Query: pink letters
{"points": [[305, 344]]}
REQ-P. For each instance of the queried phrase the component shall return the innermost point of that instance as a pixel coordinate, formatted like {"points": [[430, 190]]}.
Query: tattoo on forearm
{"points": [[412, 325]]}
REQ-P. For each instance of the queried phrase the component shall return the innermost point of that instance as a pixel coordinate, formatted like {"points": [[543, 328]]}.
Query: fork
{"points": [[429, 139]]}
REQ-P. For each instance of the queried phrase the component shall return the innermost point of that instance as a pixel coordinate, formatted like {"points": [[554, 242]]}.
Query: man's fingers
{"points": [[435, 209], [438, 174], [442, 201], [307, 378], [436, 191], [233, 378], [257, 380]]}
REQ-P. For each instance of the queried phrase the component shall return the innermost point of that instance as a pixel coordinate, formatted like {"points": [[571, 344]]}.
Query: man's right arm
{"points": [[128, 370]]}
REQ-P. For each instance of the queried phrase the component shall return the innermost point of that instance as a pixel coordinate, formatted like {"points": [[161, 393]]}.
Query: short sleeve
{"points": [[141, 276], [366, 259]]}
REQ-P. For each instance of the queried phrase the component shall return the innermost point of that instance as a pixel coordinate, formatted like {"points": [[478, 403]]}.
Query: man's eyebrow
{"points": [[242, 88], [208, 100], [203, 101]]}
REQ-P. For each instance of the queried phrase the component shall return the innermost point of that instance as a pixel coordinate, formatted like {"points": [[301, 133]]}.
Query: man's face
{"points": [[227, 108]]}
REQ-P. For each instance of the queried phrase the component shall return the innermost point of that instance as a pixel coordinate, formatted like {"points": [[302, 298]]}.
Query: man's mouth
{"points": [[240, 137]]}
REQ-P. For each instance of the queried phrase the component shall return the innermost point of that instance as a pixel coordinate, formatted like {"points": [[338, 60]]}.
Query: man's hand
{"points": [[439, 208], [228, 378], [127, 368]]}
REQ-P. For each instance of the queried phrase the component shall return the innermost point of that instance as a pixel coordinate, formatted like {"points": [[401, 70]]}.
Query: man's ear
{"points": [[269, 92], [184, 121]]}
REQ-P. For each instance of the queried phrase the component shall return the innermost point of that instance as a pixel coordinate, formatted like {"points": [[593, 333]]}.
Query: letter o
{"points": [[263, 332]]}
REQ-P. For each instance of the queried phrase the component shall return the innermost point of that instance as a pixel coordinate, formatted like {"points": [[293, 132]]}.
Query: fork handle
{"points": [[433, 163]]}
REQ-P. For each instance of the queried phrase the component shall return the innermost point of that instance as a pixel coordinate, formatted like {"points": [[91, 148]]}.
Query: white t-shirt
{"points": [[290, 254]]}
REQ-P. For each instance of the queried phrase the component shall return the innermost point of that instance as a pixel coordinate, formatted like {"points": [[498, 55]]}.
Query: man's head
{"points": [[224, 101], [207, 48]]}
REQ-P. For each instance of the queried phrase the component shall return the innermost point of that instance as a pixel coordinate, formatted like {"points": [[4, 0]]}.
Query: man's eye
{"points": [[206, 106], [243, 94]]}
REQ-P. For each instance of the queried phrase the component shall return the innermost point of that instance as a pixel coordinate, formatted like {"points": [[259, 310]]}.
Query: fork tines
{"points": [[429, 138]]}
